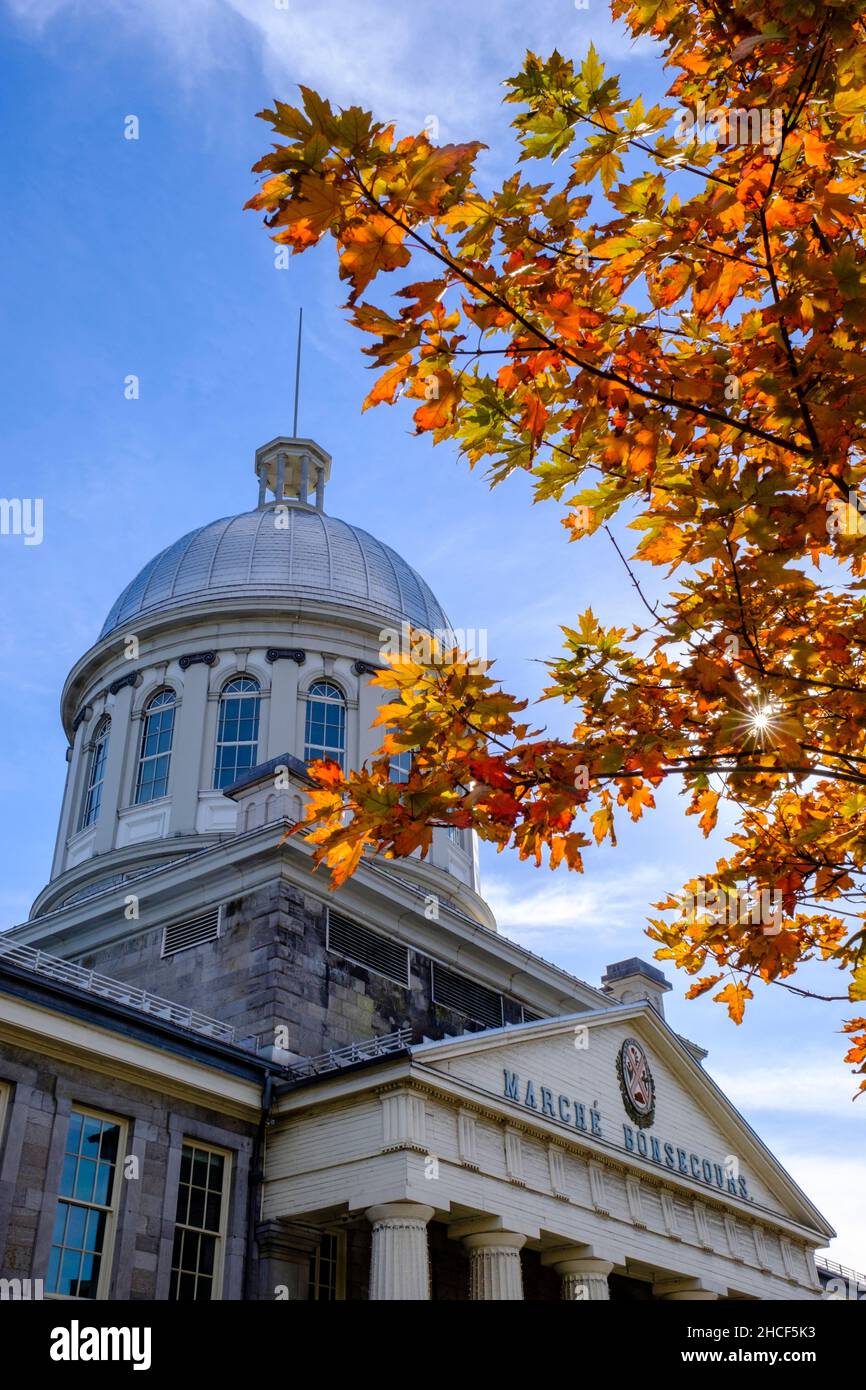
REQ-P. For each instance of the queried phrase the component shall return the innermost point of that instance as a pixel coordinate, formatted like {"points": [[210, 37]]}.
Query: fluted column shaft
{"points": [[584, 1277], [584, 1287], [495, 1271], [400, 1264]]}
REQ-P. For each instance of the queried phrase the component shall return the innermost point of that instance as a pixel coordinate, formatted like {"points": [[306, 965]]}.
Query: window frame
{"points": [[322, 752], [225, 695], [106, 1262], [221, 1235], [394, 764], [339, 1236], [96, 749], [148, 710]]}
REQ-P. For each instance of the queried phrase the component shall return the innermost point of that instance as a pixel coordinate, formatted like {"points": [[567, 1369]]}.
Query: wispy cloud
{"points": [[547, 919], [438, 57], [835, 1186], [819, 1086]]}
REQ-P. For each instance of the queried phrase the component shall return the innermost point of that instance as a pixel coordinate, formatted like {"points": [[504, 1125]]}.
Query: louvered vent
{"points": [[365, 947], [527, 1015], [465, 997], [192, 931]]}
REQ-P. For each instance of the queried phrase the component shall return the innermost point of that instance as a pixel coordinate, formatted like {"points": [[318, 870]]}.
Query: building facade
{"points": [[220, 1080]]}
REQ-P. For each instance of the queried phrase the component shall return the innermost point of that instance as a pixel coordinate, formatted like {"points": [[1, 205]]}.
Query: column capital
{"points": [[495, 1240], [583, 1274], [495, 1269], [399, 1211], [684, 1290]]}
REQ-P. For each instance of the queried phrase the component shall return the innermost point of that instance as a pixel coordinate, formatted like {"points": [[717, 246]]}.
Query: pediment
{"points": [[621, 1082]]}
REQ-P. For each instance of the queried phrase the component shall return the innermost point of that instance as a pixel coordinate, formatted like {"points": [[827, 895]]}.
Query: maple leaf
{"points": [[734, 995], [688, 362], [370, 247]]}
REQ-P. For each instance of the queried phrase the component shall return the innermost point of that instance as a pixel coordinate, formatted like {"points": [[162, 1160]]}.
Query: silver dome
{"points": [[310, 556]]}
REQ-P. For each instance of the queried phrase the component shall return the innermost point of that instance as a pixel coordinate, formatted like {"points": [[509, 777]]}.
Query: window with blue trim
{"points": [[400, 765], [237, 742], [83, 1224], [325, 729], [92, 801], [154, 760]]}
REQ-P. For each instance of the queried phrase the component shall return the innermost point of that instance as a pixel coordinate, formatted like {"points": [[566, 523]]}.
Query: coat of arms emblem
{"points": [[636, 1083]]}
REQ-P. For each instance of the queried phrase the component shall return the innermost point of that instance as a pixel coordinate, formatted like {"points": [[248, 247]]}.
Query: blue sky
{"points": [[136, 257]]}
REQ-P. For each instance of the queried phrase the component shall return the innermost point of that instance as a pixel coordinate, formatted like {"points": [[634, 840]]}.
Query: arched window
{"points": [[154, 759], [400, 765], [92, 799], [325, 732], [237, 743]]}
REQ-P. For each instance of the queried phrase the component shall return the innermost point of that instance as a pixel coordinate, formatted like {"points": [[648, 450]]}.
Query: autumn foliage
{"points": [[668, 327]]}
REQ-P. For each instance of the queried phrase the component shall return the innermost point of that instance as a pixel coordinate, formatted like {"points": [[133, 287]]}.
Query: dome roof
{"points": [[308, 556]]}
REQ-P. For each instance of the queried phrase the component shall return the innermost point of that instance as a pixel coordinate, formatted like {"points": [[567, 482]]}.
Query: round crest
{"points": [[636, 1083]]}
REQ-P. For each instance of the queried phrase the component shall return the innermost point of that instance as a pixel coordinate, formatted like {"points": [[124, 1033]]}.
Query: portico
{"points": [[438, 1159]]}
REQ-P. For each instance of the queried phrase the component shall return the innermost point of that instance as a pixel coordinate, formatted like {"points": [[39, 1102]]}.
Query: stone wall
{"points": [[31, 1155], [270, 970]]}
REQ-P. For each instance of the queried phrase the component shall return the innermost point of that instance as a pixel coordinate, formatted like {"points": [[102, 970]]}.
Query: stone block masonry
{"points": [[270, 975]]}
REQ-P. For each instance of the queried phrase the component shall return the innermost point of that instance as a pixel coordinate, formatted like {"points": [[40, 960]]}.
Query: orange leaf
{"points": [[369, 247], [735, 996]]}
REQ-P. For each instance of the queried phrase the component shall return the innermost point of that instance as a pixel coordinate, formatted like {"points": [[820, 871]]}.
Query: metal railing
{"points": [[842, 1271], [340, 1057], [116, 990]]}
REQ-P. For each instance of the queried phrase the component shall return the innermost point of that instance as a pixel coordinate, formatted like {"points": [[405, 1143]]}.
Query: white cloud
{"points": [[809, 1087], [437, 57], [546, 919], [835, 1187]]}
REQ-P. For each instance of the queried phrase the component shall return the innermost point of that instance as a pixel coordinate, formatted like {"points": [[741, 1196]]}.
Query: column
{"points": [[584, 1277], [370, 697], [72, 792], [283, 711], [400, 1264], [494, 1265], [185, 770], [684, 1290], [118, 740]]}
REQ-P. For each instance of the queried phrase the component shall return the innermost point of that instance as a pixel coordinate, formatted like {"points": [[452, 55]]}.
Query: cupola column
{"points": [[186, 772], [118, 739], [74, 791], [400, 1263], [283, 712]]}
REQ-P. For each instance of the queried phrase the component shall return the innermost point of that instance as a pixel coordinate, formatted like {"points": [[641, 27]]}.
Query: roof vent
{"points": [[192, 931], [466, 997], [364, 947]]}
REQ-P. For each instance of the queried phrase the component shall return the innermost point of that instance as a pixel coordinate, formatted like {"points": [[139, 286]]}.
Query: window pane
{"points": [[237, 731], [197, 1232], [156, 742]]}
